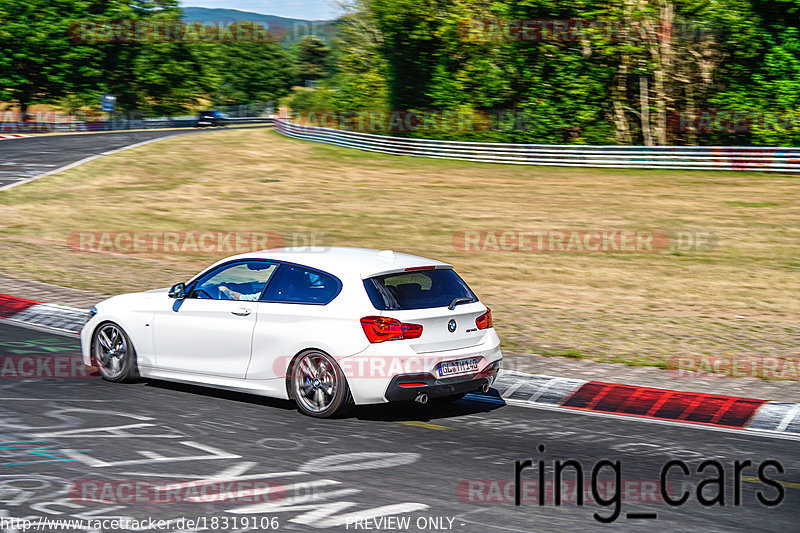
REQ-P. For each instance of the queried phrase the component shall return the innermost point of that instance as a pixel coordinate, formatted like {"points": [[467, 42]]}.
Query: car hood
{"points": [[133, 301], [165, 289]]}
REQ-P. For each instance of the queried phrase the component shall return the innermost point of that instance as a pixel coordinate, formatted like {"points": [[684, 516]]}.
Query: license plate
{"points": [[457, 367]]}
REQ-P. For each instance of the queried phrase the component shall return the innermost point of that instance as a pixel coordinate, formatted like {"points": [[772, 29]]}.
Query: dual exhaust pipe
{"points": [[422, 398]]}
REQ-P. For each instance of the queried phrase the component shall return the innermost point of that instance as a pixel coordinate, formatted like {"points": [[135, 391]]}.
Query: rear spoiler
{"points": [[366, 274]]}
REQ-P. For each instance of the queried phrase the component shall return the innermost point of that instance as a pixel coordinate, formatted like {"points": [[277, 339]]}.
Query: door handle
{"points": [[241, 312]]}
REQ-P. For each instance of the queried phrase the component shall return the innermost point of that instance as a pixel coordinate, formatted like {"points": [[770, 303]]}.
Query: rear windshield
{"points": [[417, 290]]}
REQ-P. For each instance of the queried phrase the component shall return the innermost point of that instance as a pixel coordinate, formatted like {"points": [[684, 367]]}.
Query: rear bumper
{"points": [[374, 374], [406, 387]]}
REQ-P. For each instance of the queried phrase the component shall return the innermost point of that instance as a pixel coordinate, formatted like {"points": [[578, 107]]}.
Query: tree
{"points": [[38, 61], [312, 58], [49, 49], [649, 62], [155, 75], [254, 71], [361, 79]]}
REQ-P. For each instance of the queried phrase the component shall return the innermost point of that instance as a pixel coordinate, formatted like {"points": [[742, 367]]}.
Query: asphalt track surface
{"points": [[404, 461], [28, 157]]}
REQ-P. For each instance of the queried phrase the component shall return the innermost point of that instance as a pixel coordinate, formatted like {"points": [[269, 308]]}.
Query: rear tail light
{"points": [[381, 329], [411, 331], [485, 320]]}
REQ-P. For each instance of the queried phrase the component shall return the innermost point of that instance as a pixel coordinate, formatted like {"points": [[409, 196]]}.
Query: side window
{"points": [[238, 281], [296, 284]]}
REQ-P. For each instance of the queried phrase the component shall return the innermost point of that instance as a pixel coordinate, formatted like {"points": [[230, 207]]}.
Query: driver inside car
{"points": [[234, 295]]}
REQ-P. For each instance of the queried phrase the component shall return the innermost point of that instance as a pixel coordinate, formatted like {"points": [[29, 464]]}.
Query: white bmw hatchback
{"points": [[327, 328]]}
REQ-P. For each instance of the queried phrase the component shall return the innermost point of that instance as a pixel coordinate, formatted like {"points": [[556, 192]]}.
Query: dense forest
{"points": [[69, 52], [652, 72], [579, 71]]}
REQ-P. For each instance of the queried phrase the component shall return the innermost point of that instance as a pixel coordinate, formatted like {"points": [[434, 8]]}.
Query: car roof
{"points": [[343, 261]]}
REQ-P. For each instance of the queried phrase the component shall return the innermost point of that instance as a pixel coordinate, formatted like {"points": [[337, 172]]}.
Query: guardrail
{"points": [[116, 125], [766, 159]]}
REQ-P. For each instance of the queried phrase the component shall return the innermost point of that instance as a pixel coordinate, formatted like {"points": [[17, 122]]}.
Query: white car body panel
{"points": [[200, 341], [192, 338], [283, 330]]}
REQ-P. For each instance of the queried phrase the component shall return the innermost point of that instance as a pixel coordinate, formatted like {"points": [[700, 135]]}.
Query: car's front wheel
{"points": [[114, 353], [318, 385]]}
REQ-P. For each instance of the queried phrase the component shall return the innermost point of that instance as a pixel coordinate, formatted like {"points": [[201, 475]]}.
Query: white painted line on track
{"points": [[788, 418], [513, 388]]}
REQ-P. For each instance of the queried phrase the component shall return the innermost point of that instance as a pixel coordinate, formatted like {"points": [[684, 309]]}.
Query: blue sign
{"points": [[108, 102]]}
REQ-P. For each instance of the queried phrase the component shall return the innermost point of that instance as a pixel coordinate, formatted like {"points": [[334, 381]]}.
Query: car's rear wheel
{"points": [[318, 385], [114, 354]]}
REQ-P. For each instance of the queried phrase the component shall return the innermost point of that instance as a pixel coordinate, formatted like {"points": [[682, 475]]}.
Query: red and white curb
{"points": [[518, 388], [13, 136], [56, 317], [531, 390]]}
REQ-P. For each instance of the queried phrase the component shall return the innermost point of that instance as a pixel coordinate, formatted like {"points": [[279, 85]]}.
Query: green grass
{"points": [[752, 204], [644, 308]]}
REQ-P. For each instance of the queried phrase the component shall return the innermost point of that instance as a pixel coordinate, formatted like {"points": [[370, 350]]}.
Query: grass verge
{"points": [[638, 308]]}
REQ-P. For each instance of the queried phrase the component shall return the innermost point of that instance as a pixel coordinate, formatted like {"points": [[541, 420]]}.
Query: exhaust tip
{"points": [[421, 398], [485, 388]]}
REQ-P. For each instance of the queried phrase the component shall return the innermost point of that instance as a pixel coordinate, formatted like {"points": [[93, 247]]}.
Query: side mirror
{"points": [[178, 291]]}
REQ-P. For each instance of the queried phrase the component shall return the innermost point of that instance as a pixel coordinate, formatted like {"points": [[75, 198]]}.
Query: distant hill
{"points": [[295, 29]]}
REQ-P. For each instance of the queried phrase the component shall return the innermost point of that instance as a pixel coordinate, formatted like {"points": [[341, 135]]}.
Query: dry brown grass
{"points": [[637, 308]]}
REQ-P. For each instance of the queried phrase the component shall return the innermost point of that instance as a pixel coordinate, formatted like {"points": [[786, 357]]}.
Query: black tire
{"points": [[114, 353], [318, 386]]}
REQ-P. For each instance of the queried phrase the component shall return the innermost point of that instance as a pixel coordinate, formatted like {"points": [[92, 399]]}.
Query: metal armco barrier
{"points": [[762, 159]]}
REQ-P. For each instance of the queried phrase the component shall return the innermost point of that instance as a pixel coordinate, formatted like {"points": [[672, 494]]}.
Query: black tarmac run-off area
{"points": [[438, 468], [29, 157]]}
